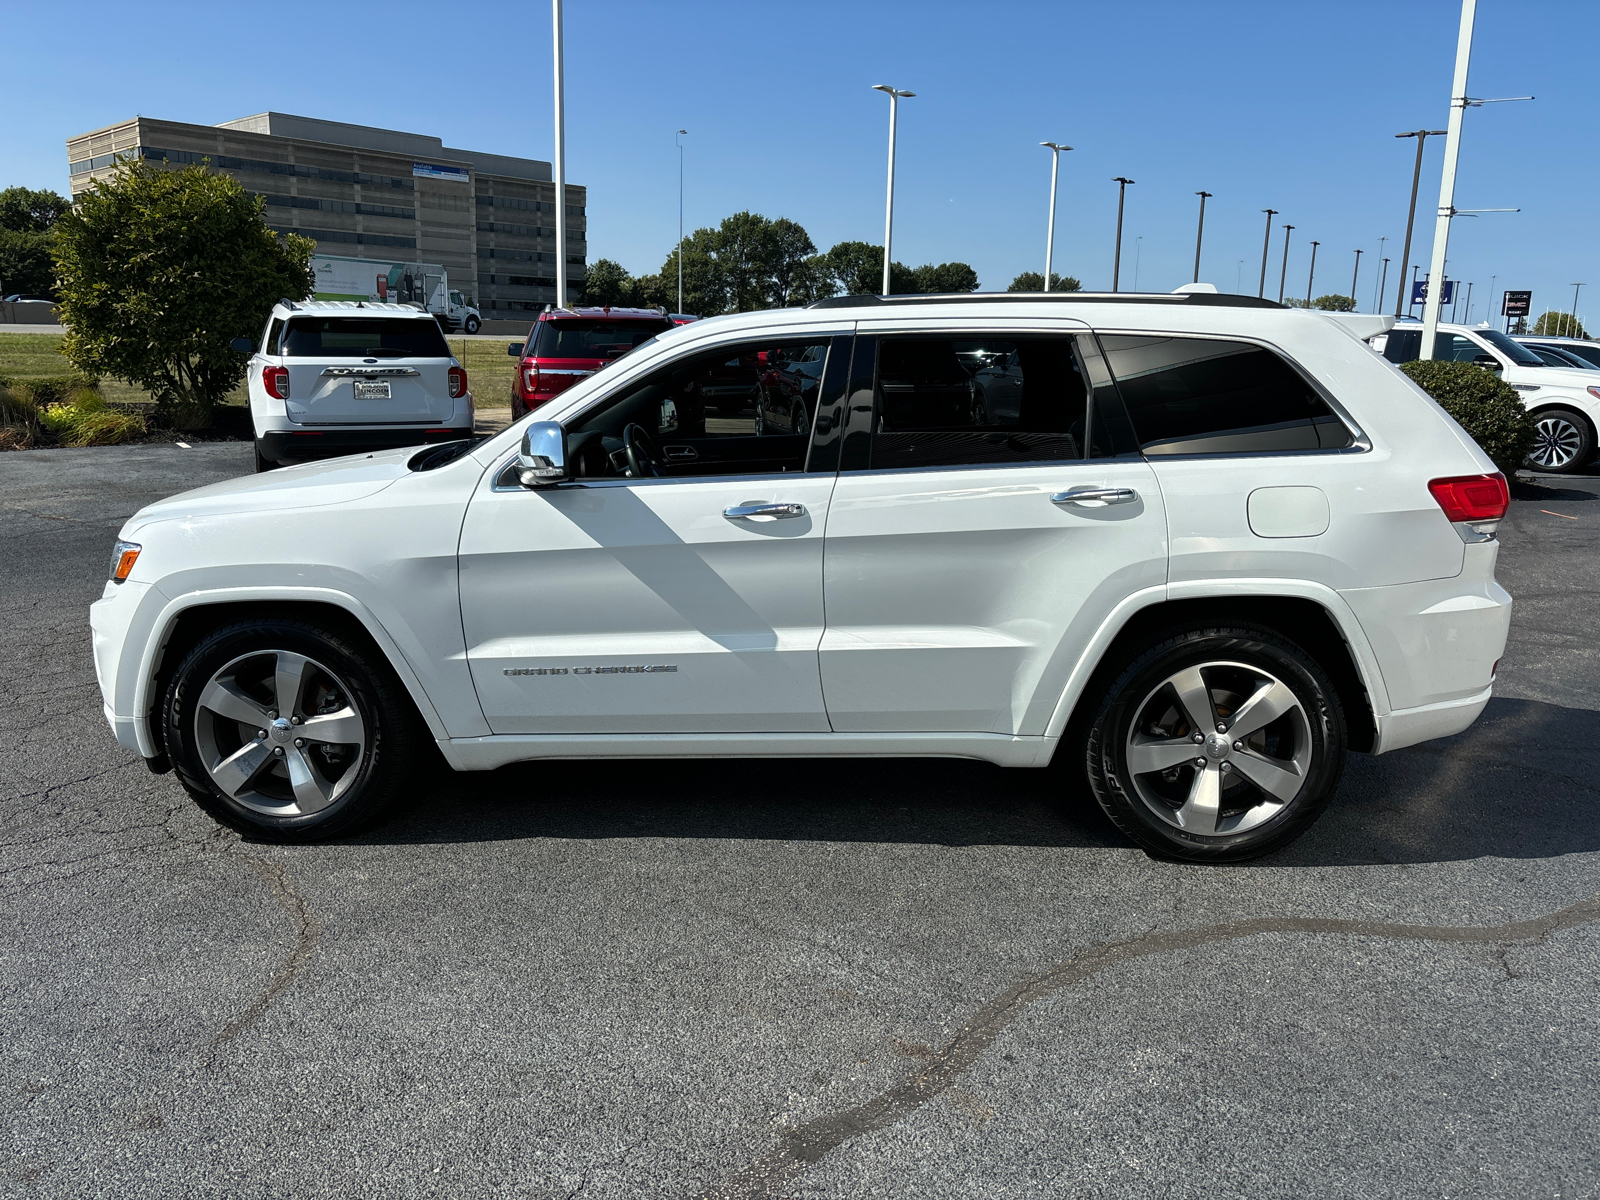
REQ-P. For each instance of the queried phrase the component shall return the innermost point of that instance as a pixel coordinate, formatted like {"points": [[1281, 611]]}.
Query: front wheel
{"points": [[471, 325], [1563, 441], [288, 731], [1217, 744]]}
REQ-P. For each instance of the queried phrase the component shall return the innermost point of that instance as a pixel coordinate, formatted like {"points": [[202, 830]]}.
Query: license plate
{"points": [[371, 391]]}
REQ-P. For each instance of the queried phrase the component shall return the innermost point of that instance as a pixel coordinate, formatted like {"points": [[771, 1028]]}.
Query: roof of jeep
{"points": [[348, 308]]}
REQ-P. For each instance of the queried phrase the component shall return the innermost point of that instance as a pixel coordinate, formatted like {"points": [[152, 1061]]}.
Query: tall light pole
{"points": [[1200, 232], [1283, 276], [1447, 179], [895, 96], [1573, 332], [1116, 265], [1313, 272], [1354, 277], [1050, 231], [1266, 246], [679, 145], [1422, 136], [1383, 281], [1138, 253], [560, 161]]}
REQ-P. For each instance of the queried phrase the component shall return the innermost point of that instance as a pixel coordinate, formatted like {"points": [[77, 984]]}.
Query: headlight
{"points": [[123, 556], [1595, 392]]}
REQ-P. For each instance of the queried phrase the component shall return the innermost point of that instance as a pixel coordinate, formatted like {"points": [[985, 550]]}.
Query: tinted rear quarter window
{"points": [[577, 338], [364, 337], [1210, 396]]}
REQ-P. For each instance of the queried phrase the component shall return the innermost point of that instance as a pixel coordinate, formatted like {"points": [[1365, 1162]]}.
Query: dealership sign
{"points": [[1419, 292], [1517, 304]]}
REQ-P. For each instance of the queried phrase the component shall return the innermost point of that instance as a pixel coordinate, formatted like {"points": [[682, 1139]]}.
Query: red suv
{"points": [[569, 344]]}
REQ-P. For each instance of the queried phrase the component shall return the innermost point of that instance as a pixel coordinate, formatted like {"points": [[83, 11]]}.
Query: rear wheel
{"points": [[1217, 744], [288, 731], [518, 408], [262, 464], [1564, 441]]}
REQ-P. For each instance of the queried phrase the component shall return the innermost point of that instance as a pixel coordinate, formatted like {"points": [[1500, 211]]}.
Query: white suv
{"points": [[1565, 401], [1193, 549], [332, 378]]}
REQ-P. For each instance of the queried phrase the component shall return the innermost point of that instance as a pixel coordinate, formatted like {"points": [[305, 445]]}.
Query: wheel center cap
{"points": [[1217, 747], [281, 730]]}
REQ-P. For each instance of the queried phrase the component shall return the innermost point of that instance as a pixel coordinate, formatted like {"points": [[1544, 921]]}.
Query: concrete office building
{"points": [[360, 192]]}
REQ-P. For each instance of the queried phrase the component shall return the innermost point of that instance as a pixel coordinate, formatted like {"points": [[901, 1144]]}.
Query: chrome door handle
{"points": [[771, 511], [1095, 497]]}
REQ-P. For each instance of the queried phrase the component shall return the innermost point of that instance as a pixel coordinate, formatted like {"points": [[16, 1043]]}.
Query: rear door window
{"points": [[974, 400], [1209, 396], [363, 337]]}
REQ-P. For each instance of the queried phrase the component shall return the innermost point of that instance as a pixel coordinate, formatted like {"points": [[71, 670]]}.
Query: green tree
{"points": [[1559, 324], [26, 216], [747, 262], [1489, 409], [944, 279], [159, 270], [607, 283], [1033, 281], [857, 268], [1333, 302]]}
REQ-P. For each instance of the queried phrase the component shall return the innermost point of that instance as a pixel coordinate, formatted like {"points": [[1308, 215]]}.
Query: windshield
{"points": [[1515, 351], [592, 339], [364, 337]]}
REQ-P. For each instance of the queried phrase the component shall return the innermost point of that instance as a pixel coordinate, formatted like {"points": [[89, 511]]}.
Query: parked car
{"points": [[19, 298], [569, 344], [1565, 401], [1221, 545], [1550, 356], [1579, 347], [331, 378]]}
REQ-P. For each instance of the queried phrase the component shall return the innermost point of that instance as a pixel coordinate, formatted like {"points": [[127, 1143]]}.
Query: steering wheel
{"points": [[641, 451]]}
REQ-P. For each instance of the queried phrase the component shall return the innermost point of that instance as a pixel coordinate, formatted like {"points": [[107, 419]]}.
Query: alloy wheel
{"points": [[278, 734], [1556, 443], [1218, 749]]}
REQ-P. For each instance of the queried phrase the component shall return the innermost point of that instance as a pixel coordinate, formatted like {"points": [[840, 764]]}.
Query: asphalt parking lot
{"points": [[747, 979]]}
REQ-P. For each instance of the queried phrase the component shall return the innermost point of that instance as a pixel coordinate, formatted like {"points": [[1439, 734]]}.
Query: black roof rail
{"points": [[1200, 299], [289, 304]]}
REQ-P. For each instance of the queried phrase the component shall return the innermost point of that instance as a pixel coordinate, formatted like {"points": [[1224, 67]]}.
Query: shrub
{"points": [[50, 389], [19, 420], [86, 421], [1483, 404]]}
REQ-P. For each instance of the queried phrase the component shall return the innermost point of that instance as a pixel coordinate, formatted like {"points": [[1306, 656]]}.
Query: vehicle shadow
{"points": [[1521, 783]]}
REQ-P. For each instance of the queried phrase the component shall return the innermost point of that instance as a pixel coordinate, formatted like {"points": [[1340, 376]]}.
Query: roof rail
{"points": [[289, 304], [1189, 299]]}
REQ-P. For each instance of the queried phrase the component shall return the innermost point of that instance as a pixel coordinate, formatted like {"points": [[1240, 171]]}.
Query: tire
{"points": [[262, 464], [331, 762], [1565, 444], [1219, 812], [471, 325], [518, 408]]}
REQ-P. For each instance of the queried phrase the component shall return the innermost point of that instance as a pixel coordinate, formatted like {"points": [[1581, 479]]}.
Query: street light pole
{"points": [[1200, 232], [1116, 265], [1383, 282], [679, 144], [1447, 180], [1354, 277], [888, 217], [1313, 272], [560, 164], [1573, 331], [1283, 276], [1422, 136], [1050, 231], [1266, 247]]}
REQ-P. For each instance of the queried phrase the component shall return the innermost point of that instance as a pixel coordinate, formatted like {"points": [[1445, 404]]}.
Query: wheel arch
{"points": [[1322, 625], [189, 618]]}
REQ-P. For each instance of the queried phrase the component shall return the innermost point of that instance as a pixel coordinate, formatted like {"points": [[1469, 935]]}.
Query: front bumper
{"points": [[287, 447], [111, 620]]}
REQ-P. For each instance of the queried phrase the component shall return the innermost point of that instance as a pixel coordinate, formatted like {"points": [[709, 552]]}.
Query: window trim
{"points": [[1360, 443]]}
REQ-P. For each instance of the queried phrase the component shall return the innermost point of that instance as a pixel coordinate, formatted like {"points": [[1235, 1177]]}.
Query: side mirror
{"points": [[1486, 360], [514, 349], [543, 460], [243, 346]]}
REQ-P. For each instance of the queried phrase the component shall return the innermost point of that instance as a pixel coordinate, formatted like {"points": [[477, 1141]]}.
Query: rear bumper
{"points": [[296, 446]]}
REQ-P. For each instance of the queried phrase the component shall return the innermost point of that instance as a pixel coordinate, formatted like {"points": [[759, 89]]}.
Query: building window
{"points": [[359, 239]]}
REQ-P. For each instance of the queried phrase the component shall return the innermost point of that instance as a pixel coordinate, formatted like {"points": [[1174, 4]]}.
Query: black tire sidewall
{"points": [[1145, 671], [380, 767], [1585, 452]]}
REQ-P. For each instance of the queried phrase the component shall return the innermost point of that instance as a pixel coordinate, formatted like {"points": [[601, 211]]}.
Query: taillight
{"points": [[458, 382], [276, 381], [1473, 504], [530, 378], [1472, 497]]}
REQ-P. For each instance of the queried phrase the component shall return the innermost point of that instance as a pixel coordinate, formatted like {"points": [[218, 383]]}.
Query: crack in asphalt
{"points": [[308, 932], [806, 1144]]}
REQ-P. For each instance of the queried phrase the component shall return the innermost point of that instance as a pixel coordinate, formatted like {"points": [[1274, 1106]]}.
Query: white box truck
{"points": [[422, 285]]}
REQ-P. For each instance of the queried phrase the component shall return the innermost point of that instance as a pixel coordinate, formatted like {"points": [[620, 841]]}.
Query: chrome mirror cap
{"points": [[543, 460]]}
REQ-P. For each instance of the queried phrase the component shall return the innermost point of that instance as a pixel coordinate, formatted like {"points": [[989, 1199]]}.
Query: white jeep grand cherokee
{"points": [[332, 378], [1188, 549]]}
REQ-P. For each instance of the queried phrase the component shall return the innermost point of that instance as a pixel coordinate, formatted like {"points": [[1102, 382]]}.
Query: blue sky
{"points": [[1288, 105]]}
